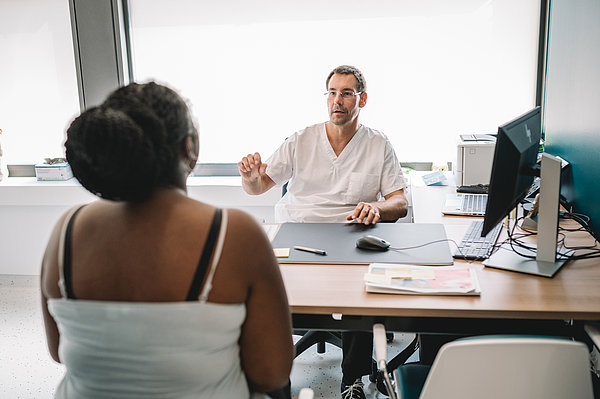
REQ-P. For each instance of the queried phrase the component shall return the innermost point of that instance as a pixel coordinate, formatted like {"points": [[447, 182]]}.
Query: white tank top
{"points": [[150, 350]]}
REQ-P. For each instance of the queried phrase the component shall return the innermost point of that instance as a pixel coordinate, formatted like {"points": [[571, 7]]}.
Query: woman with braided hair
{"points": [[147, 292]]}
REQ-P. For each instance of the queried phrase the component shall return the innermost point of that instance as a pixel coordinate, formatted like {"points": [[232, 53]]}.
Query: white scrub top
{"points": [[324, 187]]}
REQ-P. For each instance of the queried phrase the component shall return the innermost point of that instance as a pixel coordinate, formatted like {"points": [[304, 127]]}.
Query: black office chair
{"points": [[316, 337]]}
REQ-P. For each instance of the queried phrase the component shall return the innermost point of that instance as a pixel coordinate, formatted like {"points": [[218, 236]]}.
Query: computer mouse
{"points": [[373, 243]]}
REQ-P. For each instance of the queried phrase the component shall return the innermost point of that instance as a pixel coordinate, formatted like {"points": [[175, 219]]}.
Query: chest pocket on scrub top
{"points": [[362, 187]]}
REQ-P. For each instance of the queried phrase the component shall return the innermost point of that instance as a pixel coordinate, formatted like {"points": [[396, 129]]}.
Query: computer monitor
{"points": [[513, 171], [515, 157]]}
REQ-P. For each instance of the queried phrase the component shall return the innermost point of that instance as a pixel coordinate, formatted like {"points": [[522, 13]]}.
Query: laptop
{"points": [[465, 204]]}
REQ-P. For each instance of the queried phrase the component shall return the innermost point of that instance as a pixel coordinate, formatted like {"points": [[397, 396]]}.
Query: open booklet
{"points": [[390, 278]]}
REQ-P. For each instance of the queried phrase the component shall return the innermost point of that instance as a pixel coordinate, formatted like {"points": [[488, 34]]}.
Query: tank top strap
{"points": [[213, 245], [64, 254]]}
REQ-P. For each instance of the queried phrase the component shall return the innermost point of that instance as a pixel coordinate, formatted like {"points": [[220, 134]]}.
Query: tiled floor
{"points": [[27, 371]]}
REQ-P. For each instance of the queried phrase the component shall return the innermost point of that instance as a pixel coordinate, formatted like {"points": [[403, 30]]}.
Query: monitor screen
{"points": [[515, 156]]}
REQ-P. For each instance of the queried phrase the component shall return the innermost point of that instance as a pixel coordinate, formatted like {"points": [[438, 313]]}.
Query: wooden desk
{"points": [[509, 301]]}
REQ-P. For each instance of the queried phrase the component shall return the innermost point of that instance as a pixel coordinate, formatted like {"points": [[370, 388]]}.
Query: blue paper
{"points": [[435, 179]]}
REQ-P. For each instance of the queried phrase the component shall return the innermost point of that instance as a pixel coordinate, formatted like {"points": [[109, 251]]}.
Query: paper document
{"points": [[436, 178], [390, 278], [281, 252]]}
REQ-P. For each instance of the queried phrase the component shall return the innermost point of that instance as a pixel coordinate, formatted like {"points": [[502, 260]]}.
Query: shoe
{"points": [[354, 391]]}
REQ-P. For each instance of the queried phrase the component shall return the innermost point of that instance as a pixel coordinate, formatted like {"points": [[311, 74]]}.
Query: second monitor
{"points": [[513, 171]]}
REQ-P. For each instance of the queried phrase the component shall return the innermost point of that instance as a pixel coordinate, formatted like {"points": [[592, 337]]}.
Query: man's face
{"points": [[343, 110]]}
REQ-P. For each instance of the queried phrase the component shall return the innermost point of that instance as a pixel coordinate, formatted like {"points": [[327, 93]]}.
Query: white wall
{"points": [[30, 209]]}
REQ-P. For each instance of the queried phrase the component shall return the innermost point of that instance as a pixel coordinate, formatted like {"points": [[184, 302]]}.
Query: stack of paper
{"points": [[425, 280]]}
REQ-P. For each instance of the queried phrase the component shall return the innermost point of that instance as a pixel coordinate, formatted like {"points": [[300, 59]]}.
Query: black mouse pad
{"points": [[339, 241]]}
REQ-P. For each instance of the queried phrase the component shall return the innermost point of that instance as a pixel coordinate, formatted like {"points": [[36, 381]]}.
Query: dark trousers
{"points": [[357, 355]]}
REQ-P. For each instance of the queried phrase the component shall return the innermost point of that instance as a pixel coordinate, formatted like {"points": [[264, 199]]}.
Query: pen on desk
{"points": [[313, 250]]}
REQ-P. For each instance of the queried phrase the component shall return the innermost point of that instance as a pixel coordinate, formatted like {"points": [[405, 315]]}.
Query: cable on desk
{"points": [[515, 240], [583, 220], [422, 245], [397, 249]]}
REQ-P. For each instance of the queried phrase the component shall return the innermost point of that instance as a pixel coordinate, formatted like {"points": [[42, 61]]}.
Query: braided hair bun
{"points": [[131, 144]]}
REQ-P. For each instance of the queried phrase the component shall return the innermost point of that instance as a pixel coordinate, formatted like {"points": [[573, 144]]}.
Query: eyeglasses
{"points": [[346, 94]]}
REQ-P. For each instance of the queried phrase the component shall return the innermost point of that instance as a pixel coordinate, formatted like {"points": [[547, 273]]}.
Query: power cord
{"points": [[397, 249], [516, 243]]}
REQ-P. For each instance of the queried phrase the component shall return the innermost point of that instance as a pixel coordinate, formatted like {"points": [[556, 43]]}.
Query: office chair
{"points": [[316, 337], [502, 366]]}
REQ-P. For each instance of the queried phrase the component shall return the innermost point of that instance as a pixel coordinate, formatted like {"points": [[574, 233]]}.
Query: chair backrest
{"points": [[510, 368]]}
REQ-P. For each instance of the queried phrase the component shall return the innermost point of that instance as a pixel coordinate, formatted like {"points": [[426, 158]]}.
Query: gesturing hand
{"points": [[251, 167]]}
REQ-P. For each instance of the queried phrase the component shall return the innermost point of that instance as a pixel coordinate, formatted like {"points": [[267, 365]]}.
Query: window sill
{"points": [[223, 191]]}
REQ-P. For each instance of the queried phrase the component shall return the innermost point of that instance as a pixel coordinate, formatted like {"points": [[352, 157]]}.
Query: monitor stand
{"points": [[545, 263]]}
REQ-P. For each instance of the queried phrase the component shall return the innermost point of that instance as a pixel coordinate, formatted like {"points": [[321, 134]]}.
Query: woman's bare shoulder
{"points": [[245, 227], [246, 238]]}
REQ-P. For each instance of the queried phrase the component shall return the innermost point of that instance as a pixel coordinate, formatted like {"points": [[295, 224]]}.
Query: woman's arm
{"points": [[49, 288], [267, 350]]}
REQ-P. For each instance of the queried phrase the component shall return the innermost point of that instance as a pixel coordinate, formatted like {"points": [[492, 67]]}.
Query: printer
{"points": [[474, 158]]}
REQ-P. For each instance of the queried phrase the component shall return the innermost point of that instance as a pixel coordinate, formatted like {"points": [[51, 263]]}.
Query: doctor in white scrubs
{"points": [[337, 171]]}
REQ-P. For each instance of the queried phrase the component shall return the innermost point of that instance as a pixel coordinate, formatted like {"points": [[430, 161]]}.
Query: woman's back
{"points": [[150, 350], [135, 313], [128, 330], [149, 252]]}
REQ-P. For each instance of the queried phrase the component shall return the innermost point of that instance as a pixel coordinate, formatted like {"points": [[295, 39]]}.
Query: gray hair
{"points": [[361, 84]]}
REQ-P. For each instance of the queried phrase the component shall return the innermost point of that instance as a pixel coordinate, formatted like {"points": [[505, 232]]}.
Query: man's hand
{"points": [[251, 167], [366, 213], [393, 207], [254, 179]]}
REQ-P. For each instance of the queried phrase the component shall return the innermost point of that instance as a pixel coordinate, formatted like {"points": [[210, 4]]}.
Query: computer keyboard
{"points": [[475, 247], [473, 189], [475, 203]]}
